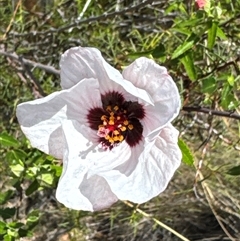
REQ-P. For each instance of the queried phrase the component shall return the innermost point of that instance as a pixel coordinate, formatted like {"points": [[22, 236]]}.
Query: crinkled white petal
{"points": [[83, 163], [146, 74], [41, 119], [152, 171], [78, 63]]}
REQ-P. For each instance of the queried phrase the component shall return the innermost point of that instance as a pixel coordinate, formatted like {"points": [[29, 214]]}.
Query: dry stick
{"points": [[32, 77], [207, 191], [210, 198], [31, 63], [104, 16], [157, 221], [11, 21], [211, 112]]}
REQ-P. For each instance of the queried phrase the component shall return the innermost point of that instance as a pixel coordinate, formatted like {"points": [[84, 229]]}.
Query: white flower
{"points": [[111, 130]]}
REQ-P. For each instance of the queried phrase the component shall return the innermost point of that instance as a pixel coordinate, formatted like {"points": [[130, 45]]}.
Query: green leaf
{"points": [[209, 85], [57, 169], [4, 197], [228, 100], [187, 155], [6, 213], [7, 140], [187, 61], [32, 187], [8, 237], [33, 217], [17, 169], [221, 34], [231, 80], [159, 51], [188, 44], [212, 34], [24, 233], [47, 178], [3, 227], [15, 225], [235, 171]]}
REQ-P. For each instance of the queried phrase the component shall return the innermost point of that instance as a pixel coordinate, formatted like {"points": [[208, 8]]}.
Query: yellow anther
{"points": [[115, 138], [100, 126], [111, 113], [107, 137], [116, 108], [109, 108], [125, 122], [116, 132], [120, 137], [112, 118], [130, 127], [104, 123], [123, 128], [111, 140], [103, 117], [118, 117], [111, 122]]}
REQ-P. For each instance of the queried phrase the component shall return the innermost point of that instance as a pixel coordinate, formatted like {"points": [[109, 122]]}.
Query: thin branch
{"points": [[228, 114], [90, 20], [31, 63], [223, 66], [32, 77], [12, 20], [157, 222]]}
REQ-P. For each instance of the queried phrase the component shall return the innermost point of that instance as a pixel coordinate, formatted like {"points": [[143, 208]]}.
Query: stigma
{"points": [[117, 120]]}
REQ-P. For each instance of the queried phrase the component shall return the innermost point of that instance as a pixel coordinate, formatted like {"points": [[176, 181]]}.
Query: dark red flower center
{"points": [[117, 120]]}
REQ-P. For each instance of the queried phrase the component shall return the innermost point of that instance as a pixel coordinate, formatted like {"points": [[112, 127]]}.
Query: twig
{"points": [[31, 63], [223, 66], [210, 198], [84, 9], [104, 16], [157, 221], [11, 21], [32, 77], [228, 114]]}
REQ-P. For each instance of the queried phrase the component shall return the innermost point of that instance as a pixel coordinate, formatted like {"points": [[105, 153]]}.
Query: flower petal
{"points": [[41, 119], [78, 63], [80, 187], [153, 170], [146, 74]]}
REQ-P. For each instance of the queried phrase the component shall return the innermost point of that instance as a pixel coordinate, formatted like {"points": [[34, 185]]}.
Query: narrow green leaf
{"points": [[228, 100], [187, 155], [32, 187], [209, 85], [212, 34], [7, 140], [235, 171], [187, 61], [221, 34], [188, 44]]}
